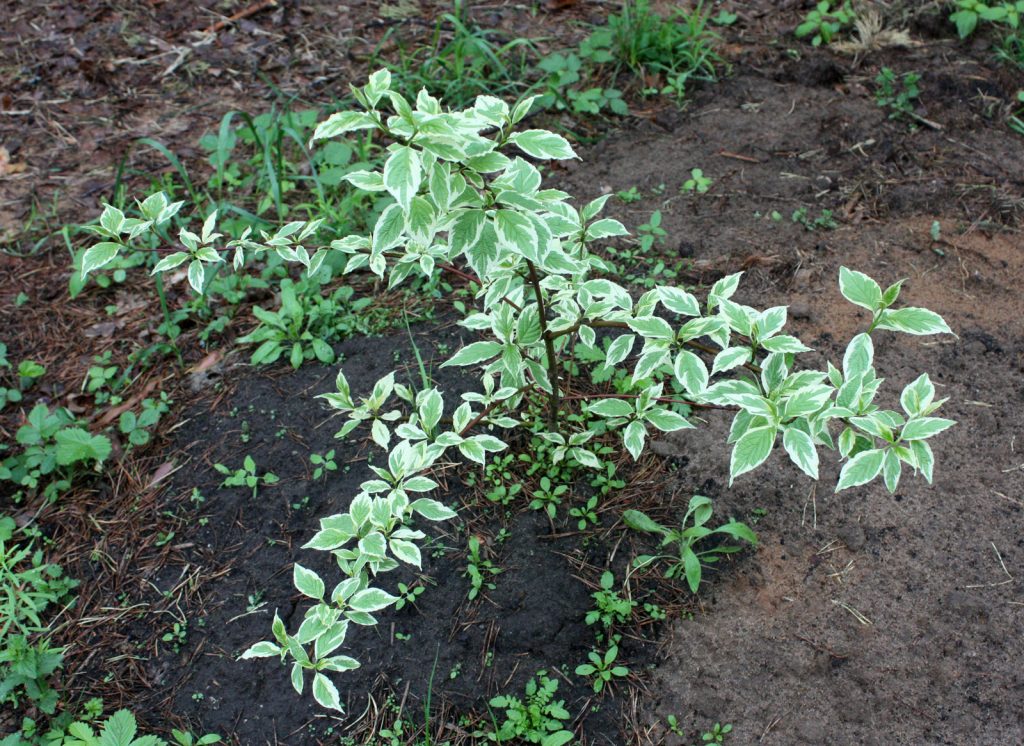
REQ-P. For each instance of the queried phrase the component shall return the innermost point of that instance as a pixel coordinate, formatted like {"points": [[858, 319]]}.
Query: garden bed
{"points": [[861, 617]]}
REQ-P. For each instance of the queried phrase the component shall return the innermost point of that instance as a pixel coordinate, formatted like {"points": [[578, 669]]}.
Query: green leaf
{"points": [[917, 396], [801, 450], [860, 289], [652, 327], [474, 353], [307, 582], [917, 321], [690, 372], [371, 599], [196, 275], [119, 730], [861, 469], [559, 738], [751, 450], [729, 358], [619, 349], [262, 649], [432, 510], [633, 438], [678, 301], [543, 144], [342, 122], [75, 445], [611, 408], [921, 428], [640, 522], [325, 692], [860, 354], [402, 175], [666, 420], [99, 255], [517, 233]]}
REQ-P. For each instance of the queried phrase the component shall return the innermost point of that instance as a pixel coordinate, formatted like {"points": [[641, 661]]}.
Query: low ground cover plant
{"points": [[462, 198]]}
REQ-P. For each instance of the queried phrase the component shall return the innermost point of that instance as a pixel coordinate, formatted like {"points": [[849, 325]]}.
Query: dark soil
{"points": [[456, 652], [862, 617]]}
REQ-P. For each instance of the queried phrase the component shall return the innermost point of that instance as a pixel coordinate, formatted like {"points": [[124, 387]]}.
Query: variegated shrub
{"points": [[464, 199]]}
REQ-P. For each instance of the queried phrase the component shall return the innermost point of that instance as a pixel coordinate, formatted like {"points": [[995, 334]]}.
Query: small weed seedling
{"points": [[323, 464], [187, 738], [697, 182], [717, 733], [246, 476], [548, 497], [609, 607], [602, 667], [969, 13], [138, 427], [655, 612], [407, 596], [479, 570], [176, 636], [539, 719], [897, 93], [587, 514], [630, 195], [824, 221], [650, 232], [687, 561], [823, 22]]}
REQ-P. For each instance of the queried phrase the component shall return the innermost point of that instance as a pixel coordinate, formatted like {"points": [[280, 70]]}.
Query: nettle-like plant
{"points": [[466, 201]]}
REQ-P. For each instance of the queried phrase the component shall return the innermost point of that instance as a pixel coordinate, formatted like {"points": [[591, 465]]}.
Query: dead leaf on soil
{"points": [[162, 472], [113, 413], [6, 167], [103, 329], [207, 362]]}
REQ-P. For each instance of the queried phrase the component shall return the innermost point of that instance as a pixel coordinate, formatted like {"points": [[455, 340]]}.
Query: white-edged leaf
{"points": [[432, 510], [729, 358], [678, 301], [342, 122], [860, 289], [921, 428], [371, 599], [543, 144], [860, 354], [861, 469], [402, 175], [801, 450], [325, 692], [633, 438], [474, 353], [691, 372], [196, 275], [751, 450], [619, 349], [262, 649], [99, 255], [307, 582], [917, 321]]}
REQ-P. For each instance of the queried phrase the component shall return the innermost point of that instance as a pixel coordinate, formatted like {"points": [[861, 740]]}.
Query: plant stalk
{"points": [[549, 344]]}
